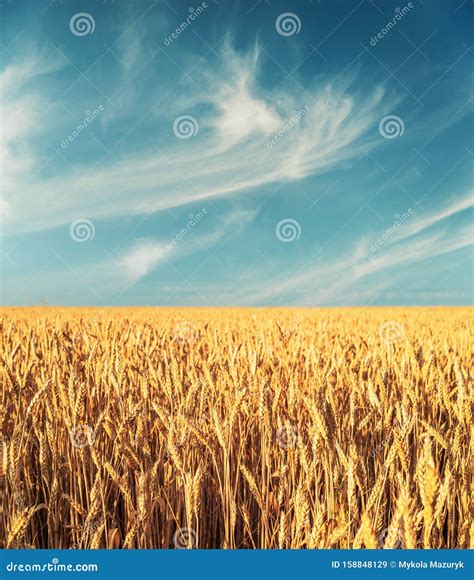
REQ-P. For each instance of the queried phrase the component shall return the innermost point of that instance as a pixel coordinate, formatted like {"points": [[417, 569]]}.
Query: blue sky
{"points": [[236, 153]]}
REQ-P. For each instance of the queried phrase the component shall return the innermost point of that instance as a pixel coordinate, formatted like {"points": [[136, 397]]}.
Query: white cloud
{"points": [[417, 241], [15, 75], [458, 205], [240, 112], [145, 256], [229, 156], [4, 209], [22, 106]]}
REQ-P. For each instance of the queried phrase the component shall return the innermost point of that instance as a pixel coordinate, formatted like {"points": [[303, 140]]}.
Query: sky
{"points": [[248, 153]]}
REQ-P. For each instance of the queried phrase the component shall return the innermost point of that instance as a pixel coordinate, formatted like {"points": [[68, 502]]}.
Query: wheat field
{"points": [[236, 428]]}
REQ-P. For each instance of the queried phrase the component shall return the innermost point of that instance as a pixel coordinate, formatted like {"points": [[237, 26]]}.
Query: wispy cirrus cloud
{"points": [[456, 206], [228, 157], [142, 258], [425, 237], [24, 98], [286, 130], [145, 255]]}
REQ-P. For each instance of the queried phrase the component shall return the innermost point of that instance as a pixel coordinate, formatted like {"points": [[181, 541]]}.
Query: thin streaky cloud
{"points": [[326, 280], [458, 205]]}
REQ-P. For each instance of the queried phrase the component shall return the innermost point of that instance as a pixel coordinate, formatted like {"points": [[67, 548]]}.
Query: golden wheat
{"points": [[234, 428]]}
